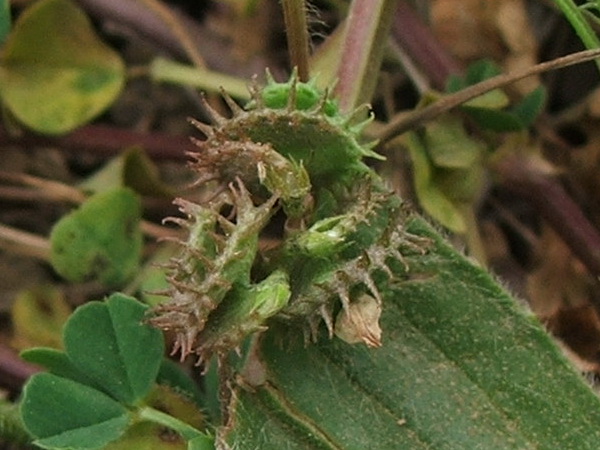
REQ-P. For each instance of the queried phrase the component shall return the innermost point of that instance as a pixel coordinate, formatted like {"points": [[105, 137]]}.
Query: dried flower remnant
{"points": [[359, 322]]}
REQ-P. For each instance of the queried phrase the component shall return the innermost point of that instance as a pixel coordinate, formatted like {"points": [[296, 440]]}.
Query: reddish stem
{"points": [[107, 141], [137, 18], [13, 370], [367, 30], [422, 46], [550, 199]]}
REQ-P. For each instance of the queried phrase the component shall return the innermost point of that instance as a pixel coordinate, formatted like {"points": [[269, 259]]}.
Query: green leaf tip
{"points": [[110, 343], [110, 363], [81, 417]]}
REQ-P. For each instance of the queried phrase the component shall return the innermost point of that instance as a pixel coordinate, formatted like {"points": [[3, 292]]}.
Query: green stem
{"points": [[579, 22], [294, 12], [172, 72], [186, 431]]}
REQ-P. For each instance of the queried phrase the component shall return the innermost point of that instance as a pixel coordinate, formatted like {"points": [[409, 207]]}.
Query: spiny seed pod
{"points": [[218, 254], [291, 148], [296, 121]]}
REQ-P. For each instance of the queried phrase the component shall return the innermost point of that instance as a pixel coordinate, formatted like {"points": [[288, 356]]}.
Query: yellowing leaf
{"points": [[55, 73], [38, 316]]}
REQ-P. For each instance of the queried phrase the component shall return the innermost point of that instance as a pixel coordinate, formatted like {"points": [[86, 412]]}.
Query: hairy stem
{"points": [[294, 12]]}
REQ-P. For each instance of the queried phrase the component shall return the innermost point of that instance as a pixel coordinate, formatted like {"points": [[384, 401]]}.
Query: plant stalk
{"points": [[406, 121], [555, 205], [580, 24], [24, 243], [367, 31], [178, 30], [164, 70], [186, 431], [107, 141], [423, 48], [296, 26]]}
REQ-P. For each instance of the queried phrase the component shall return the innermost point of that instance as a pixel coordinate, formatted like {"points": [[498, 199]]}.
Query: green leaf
{"points": [[61, 413], [166, 71], [486, 110], [132, 169], [110, 344], [5, 20], [460, 186], [495, 99], [517, 118], [100, 240], [201, 443], [38, 316], [462, 366], [449, 146], [477, 72], [172, 374], [55, 73], [528, 109], [55, 362], [481, 70], [455, 83], [495, 120], [431, 197]]}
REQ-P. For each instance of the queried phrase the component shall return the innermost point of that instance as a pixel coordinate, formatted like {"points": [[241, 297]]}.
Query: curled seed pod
{"points": [[217, 255], [288, 150]]}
